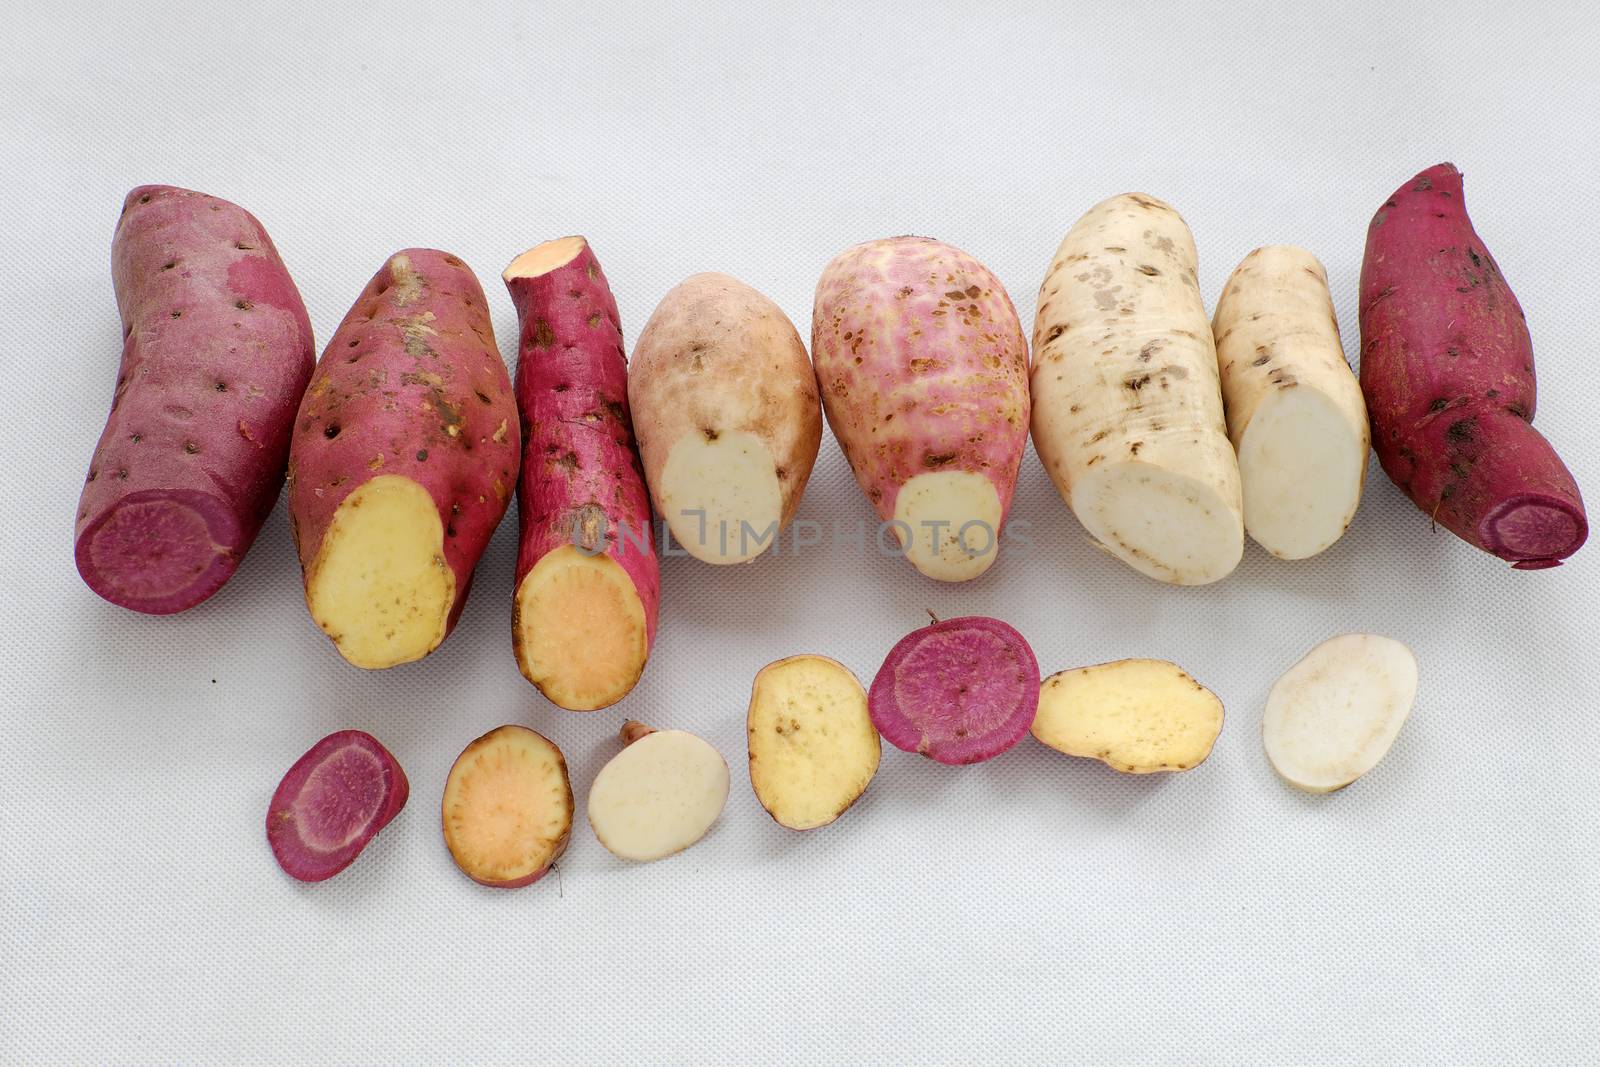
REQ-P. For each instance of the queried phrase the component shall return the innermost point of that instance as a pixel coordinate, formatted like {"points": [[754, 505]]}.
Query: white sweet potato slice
{"points": [[1137, 716], [813, 748], [659, 795], [1334, 715], [507, 808]]}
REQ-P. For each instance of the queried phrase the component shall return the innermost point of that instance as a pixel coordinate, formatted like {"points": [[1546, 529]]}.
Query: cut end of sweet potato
{"points": [[959, 691], [580, 629], [1163, 524], [1302, 463], [333, 801], [952, 520], [160, 551], [507, 808], [1535, 530], [658, 796], [380, 586], [813, 748], [1331, 717], [544, 258], [1137, 716], [719, 493]]}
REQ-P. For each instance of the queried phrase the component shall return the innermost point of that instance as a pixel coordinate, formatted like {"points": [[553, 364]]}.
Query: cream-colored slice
{"points": [[1138, 716], [813, 748], [658, 796]]}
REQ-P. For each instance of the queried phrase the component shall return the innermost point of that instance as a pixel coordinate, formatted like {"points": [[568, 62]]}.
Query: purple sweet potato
{"points": [[960, 691], [404, 459], [333, 801], [1447, 369], [216, 353]]}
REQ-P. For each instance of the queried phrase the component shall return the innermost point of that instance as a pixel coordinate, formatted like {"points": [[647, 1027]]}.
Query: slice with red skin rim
{"points": [[333, 801], [960, 691]]}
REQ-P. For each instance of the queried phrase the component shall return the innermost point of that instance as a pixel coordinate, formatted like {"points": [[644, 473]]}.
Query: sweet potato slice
{"points": [[333, 801], [813, 748], [659, 795], [1137, 716], [1335, 714], [959, 691], [507, 808]]}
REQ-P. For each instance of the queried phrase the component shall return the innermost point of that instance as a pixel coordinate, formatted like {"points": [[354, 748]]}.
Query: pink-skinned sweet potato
{"points": [[923, 370], [959, 691], [584, 614], [332, 803], [1447, 370], [216, 353], [404, 458]]}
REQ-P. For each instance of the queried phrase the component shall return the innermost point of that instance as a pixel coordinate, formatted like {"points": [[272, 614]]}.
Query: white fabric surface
{"points": [[1034, 909]]}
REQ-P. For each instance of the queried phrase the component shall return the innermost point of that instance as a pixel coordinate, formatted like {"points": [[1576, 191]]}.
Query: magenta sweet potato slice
{"points": [[960, 691], [332, 803]]}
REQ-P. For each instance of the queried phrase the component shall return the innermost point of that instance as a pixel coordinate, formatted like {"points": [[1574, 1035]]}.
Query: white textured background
{"points": [[1035, 909]]}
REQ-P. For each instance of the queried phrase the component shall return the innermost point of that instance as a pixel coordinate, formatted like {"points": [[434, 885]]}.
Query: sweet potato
{"points": [[1295, 412], [958, 691], [216, 353], [1331, 717], [404, 458], [813, 748], [1127, 409], [584, 615], [659, 795], [726, 413], [507, 808], [1137, 716], [1447, 369], [923, 371], [332, 803]]}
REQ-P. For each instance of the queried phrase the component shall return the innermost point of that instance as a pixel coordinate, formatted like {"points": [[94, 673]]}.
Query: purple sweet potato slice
{"points": [[333, 801], [959, 691]]}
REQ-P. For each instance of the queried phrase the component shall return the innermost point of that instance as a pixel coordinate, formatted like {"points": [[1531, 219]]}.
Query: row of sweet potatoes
{"points": [[1169, 436]]}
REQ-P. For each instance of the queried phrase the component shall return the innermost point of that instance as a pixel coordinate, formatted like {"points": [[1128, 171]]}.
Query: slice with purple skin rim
{"points": [[333, 801]]}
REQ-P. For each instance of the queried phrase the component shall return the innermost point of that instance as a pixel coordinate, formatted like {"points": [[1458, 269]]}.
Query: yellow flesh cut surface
{"points": [[581, 629], [379, 585], [813, 749], [1137, 716]]}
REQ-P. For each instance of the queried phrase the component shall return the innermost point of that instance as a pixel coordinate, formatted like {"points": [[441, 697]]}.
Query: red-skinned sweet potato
{"points": [[588, 583], [216, 353], [1447, 370], [404, 458]]}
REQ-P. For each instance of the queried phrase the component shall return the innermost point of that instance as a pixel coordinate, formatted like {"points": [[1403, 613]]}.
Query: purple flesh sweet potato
{"points": [[333, 801], [216, 353], [960, 691], [1447, 369]]}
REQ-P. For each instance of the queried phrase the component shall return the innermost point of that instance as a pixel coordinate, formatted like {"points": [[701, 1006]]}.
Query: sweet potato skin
{"points": [[217, 351], [922, 366], [1447, 371], [413, 385], [581, 479]]}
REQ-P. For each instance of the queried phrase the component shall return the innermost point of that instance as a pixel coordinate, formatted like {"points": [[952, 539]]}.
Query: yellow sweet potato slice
{"points": [[813, 748], [1137, 716]]}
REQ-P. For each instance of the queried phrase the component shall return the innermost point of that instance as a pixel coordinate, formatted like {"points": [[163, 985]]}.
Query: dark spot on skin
{"points": [[1055, 331], [1133, 449], [221, 387], [332, 431], [938, 459], [422, 455], [955, 294], [1137, 383], [1145, 268], [1423, 184], [1518, 410], [191, 448], [562, 387], [482, 396], [169, 264], [1491, 394], [543, 335], [145, 199], [1439, 405], [782, 473], [1461, 430], [243, 305], [710, 434], [1101, 436], [177, 313]]}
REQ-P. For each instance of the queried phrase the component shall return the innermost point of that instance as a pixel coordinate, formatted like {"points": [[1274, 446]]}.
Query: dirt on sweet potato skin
{"points": [[411, 384], [1447, 370]]}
